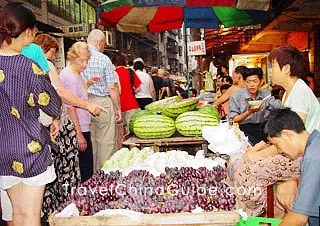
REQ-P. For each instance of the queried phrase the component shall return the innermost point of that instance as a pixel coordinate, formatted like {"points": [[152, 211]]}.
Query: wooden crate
{"points": [[176, 219], [165, 144]]}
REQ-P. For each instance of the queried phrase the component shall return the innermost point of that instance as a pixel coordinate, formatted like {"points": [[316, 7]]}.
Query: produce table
{"points": [[176, 219], [164, 144]]}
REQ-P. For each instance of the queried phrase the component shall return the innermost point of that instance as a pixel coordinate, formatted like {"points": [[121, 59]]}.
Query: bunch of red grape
{"points": [[177, 190]]}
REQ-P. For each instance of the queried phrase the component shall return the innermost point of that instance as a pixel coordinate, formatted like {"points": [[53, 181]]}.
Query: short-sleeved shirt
{"points": [[238, 104], [127, 97], [308, 200], [167, 82], [35, 53], [99, 64], [157, 83], [302, 99], [145, 85], [75, 84], [24, 142]]}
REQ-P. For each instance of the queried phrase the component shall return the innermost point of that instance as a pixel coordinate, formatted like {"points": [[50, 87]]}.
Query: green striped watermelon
{"points": [[154, 126], [191, 123], [209, 109], [161, 104], [137, 115], [177, 108]]}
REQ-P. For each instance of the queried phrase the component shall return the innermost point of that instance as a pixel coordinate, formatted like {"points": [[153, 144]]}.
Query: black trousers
{"points": [[254, 132], [144, 102], [86, 159]]}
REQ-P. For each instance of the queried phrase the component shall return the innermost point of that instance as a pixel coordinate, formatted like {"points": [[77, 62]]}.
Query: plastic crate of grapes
{"points": [[257, 221]]}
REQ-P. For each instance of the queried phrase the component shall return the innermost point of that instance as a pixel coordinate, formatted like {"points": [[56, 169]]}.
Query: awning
{"points": [[46, 28]]}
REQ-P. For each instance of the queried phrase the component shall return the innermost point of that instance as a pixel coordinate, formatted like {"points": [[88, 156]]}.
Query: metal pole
{"points": [[186, 54]]}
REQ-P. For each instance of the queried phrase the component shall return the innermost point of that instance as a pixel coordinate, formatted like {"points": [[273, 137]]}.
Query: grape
{"points": [[186, 180]]}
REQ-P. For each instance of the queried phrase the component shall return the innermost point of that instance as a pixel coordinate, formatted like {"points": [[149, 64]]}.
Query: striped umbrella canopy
{"points": [[138, 16]]}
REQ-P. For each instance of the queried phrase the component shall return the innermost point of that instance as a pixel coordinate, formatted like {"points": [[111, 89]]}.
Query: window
{"points": [[75, 11]]}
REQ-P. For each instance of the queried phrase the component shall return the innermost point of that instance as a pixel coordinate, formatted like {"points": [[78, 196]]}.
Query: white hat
{"points": [[138, 59]]}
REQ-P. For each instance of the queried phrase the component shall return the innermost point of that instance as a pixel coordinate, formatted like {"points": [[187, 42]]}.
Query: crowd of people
{"points": [[58, 128]]}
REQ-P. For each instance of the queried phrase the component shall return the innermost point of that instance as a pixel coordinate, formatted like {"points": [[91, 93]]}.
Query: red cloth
{"points": [[127, 99]]}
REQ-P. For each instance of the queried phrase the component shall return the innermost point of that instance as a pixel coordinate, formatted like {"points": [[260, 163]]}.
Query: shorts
{"points": [[7, 182], [44, 178]]}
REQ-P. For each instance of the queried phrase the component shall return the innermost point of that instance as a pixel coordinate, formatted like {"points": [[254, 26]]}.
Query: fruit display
{"points": [[154, 126], [137, 115], [162, 118], [156, 162], [177, 108], [176, 190], [210, 110], [161, 104], [191, 123]]}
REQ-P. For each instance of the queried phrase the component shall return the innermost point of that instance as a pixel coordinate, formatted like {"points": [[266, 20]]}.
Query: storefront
{"points": [[252, 60]]}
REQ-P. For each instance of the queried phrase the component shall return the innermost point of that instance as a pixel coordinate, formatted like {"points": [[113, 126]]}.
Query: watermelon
{"points": [[161, 104], [209, 109], [177, 108], [191, 123], [137, 115], [154, 126]]}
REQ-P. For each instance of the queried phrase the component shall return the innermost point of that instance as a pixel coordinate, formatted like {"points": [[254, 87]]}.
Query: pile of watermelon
{"points": [[163, 118]]}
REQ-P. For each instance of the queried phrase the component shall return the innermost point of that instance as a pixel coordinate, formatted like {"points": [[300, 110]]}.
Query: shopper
{"points": [[147, 93], [26, 165], [130, 85], [65, 155], [105, 94], [167, 85], [285, 129], [157, 81], [238, 83], [224, 108], [78, 56]]}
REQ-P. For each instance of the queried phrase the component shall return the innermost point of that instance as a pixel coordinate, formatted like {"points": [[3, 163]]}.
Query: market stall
{"points": [[147, 187]]}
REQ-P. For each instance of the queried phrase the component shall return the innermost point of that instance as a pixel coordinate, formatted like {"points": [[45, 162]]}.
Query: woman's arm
{"points": [[81, 139], [67, 96]]}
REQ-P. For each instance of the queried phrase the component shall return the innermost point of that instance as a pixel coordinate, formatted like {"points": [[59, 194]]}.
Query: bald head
{"points": [[97, 38]]}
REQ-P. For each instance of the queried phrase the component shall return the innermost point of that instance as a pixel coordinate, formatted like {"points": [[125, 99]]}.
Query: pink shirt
{"points": [[75, 84]]}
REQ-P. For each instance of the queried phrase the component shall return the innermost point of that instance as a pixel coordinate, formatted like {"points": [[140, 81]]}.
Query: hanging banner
{"points": [[196, 48], [60, 61], [147, 3]]}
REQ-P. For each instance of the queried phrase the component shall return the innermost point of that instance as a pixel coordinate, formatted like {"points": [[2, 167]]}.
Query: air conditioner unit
{"points": [[109, 39]]}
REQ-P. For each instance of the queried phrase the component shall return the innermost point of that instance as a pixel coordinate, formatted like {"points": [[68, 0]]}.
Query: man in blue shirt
{"points": [[105, 93], [286, 131], [251, 120]]}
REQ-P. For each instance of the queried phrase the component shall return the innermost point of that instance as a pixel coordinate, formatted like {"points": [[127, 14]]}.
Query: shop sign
{"points": [[77, 30], [197, 48], [60, 61]]}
